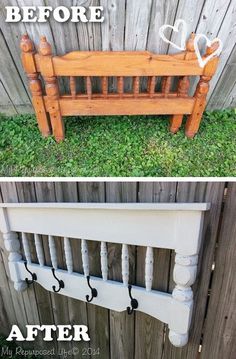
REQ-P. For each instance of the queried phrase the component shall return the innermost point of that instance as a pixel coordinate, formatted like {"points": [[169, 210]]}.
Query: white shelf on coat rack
{"points": [[176, 226]]}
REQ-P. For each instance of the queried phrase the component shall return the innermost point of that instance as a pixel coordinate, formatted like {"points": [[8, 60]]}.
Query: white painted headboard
{"points": [[174, 226]]}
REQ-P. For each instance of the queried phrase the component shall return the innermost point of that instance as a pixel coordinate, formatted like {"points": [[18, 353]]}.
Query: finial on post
{"points": [[45, 48], [214, 46], [190, 43], [26, 44]]}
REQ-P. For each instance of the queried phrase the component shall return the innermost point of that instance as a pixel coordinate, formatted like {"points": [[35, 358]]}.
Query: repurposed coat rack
{"points": [[104, 64], [172, 226]]}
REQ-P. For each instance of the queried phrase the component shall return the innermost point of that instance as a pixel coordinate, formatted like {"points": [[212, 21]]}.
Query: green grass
{"points": [[119, 146]]}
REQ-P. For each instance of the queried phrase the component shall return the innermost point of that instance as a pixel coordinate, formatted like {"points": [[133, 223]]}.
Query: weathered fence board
{"points": [[138, 336], [219, 340], [128, 25], [198, 192], [149, 333]]}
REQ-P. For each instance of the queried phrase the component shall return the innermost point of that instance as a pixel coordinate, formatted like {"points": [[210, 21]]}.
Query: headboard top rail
{"points": [[114, 206]]}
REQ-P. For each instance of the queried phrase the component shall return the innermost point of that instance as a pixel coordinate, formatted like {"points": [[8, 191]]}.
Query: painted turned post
{"points": [[12, 245], [35, 84], [183, 85], [193, 121], [52, 89], [185, 271]]}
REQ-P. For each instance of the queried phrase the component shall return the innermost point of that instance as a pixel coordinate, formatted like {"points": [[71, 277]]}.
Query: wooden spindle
{"points": [[26, 248], [52, 250], [151, 85], [125, 264], [183, 86], [165, 85], [149, 268], [39, 249], [89, 87], [104, 266], [182, 91], [105, 86], [73, 86], [85, 257], [68, 255], [136, 85], [120, 85]]}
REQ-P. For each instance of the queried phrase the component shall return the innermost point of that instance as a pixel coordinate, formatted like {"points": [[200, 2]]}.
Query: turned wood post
{"points": [[12, 245], [183, 85], [193, 121], [185, 271], [52, 88], [27, 56]]}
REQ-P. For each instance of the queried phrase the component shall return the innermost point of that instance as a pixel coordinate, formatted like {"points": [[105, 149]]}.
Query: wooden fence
{"points": [[140, 336], [128, 25]]}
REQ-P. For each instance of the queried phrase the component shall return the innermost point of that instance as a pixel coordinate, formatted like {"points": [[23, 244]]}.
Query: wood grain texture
{"points": [[45, 192], [149, 333], [131, 26], [128, 63], [98, 317], [122, 324], [198, 192], [125, 107], [219, 332], [77, 310]]}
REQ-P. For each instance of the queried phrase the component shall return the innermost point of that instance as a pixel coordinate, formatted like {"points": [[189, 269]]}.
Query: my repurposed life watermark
{"points": [[7, 352]]}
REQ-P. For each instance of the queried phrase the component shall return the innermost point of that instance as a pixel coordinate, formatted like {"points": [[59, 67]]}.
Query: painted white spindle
{"points": [[26, 247], [39, 249], [53, 252], [125, 264], [68, 255], [104, 266], [149, 268], [85, 257]]}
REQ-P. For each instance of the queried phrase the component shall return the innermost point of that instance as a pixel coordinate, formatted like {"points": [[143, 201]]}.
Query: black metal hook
{"points": [[60, 282], [33, 275], [133, 303], [94, 291]]}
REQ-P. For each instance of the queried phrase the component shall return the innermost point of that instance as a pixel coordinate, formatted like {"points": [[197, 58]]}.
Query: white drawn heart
{"points": [[217, 52], [175, 28]]}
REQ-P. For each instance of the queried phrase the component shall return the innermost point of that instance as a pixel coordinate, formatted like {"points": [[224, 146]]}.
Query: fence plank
{"points": [[149, 333], [9, 194], [220, 328], [185, 11], [77, 311], [113, 28], [199, 192], [6, 105], [210, 22], [98, 321], [163, 12], [45, 192], [226, 82], [12, 33], [11, 80], [121, 324], [226, 33], [7, 313]]}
